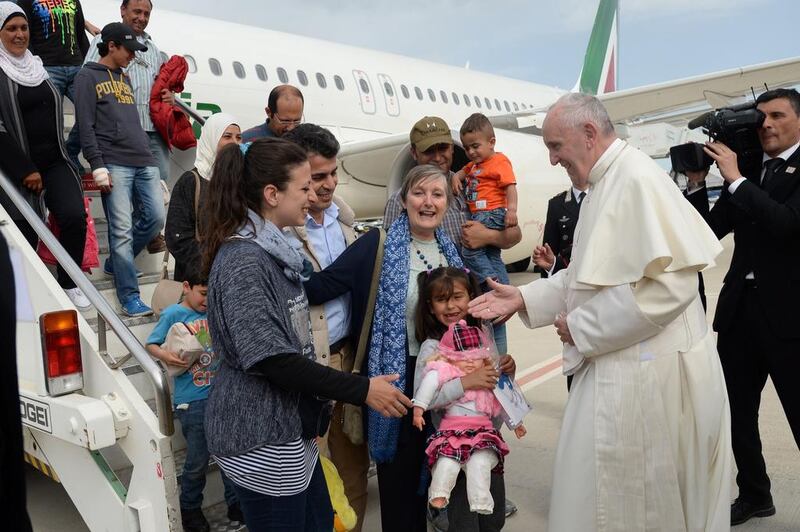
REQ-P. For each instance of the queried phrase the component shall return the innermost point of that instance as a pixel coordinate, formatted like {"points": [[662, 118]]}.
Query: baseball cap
{"points": [[429, 131], [122, 35]]}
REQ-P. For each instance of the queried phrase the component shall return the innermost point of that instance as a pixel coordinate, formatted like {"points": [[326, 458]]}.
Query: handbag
{"points": [[91, 250], [168, 291], [183, 342], [352, 415]]}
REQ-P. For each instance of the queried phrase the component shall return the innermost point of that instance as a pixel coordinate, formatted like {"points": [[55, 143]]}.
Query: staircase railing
{"points": [[106, 313]]}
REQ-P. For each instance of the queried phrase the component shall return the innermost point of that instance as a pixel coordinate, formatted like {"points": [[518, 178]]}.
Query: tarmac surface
{"points": [[529, 466]]}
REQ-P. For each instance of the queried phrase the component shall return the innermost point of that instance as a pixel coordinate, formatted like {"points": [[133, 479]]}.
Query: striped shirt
{"points": [[141, 73], [274, 470]]}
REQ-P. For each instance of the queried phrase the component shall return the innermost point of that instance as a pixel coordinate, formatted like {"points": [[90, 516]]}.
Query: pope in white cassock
{"points": [[645, 440]]}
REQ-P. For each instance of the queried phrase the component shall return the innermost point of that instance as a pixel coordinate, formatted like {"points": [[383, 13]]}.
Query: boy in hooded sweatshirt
{"points": [[117, 148]]}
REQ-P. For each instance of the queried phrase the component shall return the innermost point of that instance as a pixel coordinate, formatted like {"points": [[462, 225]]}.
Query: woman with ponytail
{"points": [[270, 398]]}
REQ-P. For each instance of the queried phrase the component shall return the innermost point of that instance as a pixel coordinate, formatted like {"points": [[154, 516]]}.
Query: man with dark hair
{"points": [[284, 113], [755, 318], [328, 231], [141, 73], [123, 167]]}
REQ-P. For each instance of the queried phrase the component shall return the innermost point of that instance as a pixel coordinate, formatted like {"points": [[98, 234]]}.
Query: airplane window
{"points": [[339, 83], [302, 78], [467, 101], [192, 63], [508, 107], [216, 68], [405, 92], [364, 86], [321, 81], [488, 103], [524, 106], [418, 92], [388, 88], [261, 72], [282, 75], [431, 95], [238, 69], [497, 104], [516, 107], [477, 102], [455, 98], [443, 96]]}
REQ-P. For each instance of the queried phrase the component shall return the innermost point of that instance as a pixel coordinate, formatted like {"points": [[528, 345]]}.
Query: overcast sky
{"points": [[536, 40]]}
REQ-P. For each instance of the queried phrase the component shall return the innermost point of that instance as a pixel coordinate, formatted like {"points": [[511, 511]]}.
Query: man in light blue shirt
{"points": [[326, 234]]}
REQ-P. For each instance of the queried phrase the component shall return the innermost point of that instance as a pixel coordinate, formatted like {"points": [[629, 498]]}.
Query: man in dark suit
{"points": [[559, 228], [756, 318]]}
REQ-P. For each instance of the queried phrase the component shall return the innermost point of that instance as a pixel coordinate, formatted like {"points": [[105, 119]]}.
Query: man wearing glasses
{"points": [[284, 113]]}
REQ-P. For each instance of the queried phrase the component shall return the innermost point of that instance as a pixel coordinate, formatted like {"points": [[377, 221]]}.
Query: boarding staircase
{"points": [[113, 445]]}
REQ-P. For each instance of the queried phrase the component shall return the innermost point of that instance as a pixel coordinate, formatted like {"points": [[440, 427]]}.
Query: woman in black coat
{"points": [[32, 144]]}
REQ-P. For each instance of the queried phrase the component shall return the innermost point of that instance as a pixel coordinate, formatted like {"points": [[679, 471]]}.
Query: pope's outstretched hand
{"points": [[503, 300]]}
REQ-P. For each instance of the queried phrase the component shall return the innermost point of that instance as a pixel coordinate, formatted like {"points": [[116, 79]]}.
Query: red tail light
{"points": [[61, 345]]}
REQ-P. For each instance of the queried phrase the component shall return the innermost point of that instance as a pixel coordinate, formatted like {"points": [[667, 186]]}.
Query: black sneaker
{"points": [[437, 517], [235, 513], [510, 509], [742, 511], [194, 521]]}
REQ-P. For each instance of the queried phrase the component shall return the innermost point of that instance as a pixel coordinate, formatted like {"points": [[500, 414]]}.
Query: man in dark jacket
{"points": [[562, 217], [12, 469], [756, 317]]}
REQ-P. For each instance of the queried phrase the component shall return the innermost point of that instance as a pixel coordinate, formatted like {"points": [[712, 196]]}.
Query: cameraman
{"points": [[757, 327]]}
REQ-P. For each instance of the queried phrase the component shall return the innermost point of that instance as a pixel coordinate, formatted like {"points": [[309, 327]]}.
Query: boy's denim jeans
{"points": [[486, 262], [193, 478], [128, 234]]}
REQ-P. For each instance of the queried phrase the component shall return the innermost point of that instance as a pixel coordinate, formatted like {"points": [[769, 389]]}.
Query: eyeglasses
{"points": [[282, 122]]}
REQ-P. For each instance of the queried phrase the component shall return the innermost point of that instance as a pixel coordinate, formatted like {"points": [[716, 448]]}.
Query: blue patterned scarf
{"points": [[387, 351]]}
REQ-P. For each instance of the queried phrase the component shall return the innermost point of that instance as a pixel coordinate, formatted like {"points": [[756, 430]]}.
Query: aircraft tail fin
{"points": [[599, 72]]}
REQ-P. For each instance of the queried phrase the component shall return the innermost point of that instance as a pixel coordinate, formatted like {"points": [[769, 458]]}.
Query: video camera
{"points": [[736, 127]]}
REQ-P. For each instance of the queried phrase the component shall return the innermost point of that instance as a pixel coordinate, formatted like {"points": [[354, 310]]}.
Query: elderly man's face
{"points": [[570, 147]]}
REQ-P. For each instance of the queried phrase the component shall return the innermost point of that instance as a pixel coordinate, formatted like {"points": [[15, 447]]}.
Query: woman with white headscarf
{"points": [[32, 144], [219, 130]]}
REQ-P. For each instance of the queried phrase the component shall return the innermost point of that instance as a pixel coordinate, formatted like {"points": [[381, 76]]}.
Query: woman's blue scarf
{"points": [[387, 351]]}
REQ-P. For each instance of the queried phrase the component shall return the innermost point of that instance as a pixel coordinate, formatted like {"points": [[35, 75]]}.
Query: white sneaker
{"points": [[79, 299]]}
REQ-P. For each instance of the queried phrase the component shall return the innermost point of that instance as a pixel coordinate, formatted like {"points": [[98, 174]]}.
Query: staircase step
{"points": [[107, 282], [128, 321]]}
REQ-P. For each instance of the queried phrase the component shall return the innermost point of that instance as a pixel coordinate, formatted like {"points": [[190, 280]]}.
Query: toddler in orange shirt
{"points": [[490, 188]]}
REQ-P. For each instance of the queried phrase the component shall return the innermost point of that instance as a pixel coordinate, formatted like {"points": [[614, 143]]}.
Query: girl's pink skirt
{"points": [[460, 436]]}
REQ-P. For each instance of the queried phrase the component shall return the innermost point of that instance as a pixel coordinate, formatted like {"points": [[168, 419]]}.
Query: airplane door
{"points": [[389, 95], [365, 93]]}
